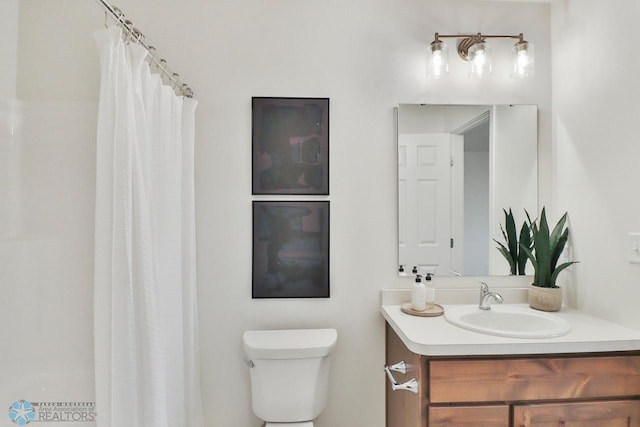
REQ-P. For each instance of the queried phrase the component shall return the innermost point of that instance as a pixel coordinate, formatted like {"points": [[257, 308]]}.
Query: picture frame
{"points": [[290, 146], [290, 249]]}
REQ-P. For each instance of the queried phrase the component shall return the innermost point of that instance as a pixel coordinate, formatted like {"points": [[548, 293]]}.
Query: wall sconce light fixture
{"points": [[476, 50]]}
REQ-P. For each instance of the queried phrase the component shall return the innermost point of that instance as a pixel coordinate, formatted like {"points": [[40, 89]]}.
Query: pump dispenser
{"points": [[401, 271], [418, 295], [430, 293]]}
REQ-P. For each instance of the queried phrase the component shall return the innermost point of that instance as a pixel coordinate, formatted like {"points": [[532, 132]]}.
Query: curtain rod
{"points": [[135, 35]]}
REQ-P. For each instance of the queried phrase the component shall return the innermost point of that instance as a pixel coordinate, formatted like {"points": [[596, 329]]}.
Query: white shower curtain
{"points": [[145, 303]]}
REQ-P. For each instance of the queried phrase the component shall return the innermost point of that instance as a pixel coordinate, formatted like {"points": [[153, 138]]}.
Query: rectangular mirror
{"points": [[459, 166]]}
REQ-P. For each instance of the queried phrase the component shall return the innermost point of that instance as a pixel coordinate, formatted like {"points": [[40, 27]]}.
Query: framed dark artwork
{"points": [[290, 145], [290, 249]]}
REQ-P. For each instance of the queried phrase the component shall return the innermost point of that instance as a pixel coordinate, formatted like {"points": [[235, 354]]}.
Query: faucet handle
{"points": [[484, 288]]}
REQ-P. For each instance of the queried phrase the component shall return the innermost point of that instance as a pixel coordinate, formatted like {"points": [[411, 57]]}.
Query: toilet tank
{"points": [[289, 372]]}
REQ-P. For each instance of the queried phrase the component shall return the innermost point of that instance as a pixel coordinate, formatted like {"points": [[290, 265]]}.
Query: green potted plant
{"points": [[511, 251], [544, 294]]}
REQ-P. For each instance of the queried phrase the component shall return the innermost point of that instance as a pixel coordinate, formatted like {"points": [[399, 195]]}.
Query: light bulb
{"points": [[438, 63], [479, 60], [524, 60]]}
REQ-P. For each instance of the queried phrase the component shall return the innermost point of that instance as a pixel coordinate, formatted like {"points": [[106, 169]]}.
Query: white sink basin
{"points": [[508, 321]]}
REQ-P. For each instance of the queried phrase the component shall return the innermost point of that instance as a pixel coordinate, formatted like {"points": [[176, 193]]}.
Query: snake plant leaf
{"points": [[504, 235], [533, 260], [510, 247], [557, 250], [525, 240], [505, 253], [557, 232], [532, 224], [529, 218], [558, 269], [512, 238], [541, 244]]}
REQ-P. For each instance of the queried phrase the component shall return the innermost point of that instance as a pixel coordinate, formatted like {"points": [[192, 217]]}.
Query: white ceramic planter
{"points": [[545, 299]]}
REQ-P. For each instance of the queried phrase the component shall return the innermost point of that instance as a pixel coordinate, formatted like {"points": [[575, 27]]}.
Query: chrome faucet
{"points": [[486, 296]]}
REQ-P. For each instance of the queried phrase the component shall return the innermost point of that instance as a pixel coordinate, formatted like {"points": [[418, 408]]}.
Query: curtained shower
{"points": [[145, 302]]}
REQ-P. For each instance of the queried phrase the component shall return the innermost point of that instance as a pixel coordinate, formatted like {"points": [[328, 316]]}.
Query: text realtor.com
{"points": [[23, 412]]}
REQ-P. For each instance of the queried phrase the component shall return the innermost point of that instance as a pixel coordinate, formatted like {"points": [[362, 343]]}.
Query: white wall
{"points": [[366, 56], [47, 187], [8, 47], [9, 116], [596, 112], [476, 212], [45, 259]]}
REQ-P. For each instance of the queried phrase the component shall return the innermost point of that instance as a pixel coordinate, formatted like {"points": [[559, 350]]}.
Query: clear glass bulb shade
{"points": [[479, 60], [438, 60], [523, 60]]}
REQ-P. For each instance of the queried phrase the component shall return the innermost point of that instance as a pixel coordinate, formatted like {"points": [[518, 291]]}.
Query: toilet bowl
{"points": [[289, 372]]}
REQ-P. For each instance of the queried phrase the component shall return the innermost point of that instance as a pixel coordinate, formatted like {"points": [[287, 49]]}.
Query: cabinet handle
{"points": [[411, 385], [398, 367]]}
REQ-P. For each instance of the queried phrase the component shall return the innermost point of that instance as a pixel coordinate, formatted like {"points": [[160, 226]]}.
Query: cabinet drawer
{"points": [[469, 416], [533, 379], [587, 414]]}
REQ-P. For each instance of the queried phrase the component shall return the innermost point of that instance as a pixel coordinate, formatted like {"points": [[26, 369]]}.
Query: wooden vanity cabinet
{"points": [[404, 408], [580, 390]]}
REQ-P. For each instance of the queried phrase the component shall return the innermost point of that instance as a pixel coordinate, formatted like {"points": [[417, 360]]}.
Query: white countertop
{"points": [[434, 336]]}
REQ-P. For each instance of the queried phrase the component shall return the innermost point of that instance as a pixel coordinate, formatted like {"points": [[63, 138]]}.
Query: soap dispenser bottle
{"points": [[401, 271], [430, 292], [418, 295]]}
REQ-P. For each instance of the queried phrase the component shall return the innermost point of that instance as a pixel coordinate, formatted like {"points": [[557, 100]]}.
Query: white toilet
{"points": [[289, 374]]}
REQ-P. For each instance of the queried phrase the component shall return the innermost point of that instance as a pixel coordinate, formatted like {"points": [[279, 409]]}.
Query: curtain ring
{"points": [[175, 81], [127, 33], [137, 35], [119, 15], [151, 56], [162, 69]]}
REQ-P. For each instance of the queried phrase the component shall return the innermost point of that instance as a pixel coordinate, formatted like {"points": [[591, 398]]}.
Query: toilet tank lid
{"points": [[289, 343]]}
